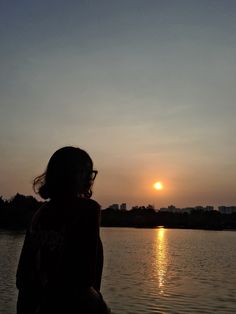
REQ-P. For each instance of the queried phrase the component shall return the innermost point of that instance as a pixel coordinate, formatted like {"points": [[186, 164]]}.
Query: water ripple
{"points": [[151, 271]]}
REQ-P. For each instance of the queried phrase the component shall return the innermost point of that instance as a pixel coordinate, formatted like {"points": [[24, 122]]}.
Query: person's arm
{"points": [[28, 295], [99, 266], [22, 274], [90, 245], [82, 248]]}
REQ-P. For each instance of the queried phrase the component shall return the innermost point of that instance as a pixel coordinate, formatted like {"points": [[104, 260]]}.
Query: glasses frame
{"points": [[93, 174]]}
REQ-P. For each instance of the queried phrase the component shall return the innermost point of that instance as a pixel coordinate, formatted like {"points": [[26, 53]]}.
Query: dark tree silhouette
{"points": [[16, 213]]}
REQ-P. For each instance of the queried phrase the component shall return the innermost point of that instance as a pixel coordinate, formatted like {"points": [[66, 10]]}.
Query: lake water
{"points": [[151, 270]]}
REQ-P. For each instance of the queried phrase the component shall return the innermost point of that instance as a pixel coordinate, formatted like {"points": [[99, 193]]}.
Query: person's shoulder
{"points": [[88, 211], [36, 217], [94, 203], [90, 204]]}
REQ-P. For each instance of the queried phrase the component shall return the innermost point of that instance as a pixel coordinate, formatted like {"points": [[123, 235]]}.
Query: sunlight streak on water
{"points": [[161, 256]]}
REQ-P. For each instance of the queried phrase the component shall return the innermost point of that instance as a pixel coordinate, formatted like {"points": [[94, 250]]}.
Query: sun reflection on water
{"points": [[161, 259]]}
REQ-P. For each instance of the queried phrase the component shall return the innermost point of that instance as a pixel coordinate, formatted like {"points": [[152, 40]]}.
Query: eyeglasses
{"points": [[93, 174]]}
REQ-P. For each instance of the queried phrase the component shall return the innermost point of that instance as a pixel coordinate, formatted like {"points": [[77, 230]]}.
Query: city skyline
{"points": [[146, 87]]}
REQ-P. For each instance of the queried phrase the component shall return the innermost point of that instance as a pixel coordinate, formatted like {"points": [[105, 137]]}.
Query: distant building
{"points": [[163, 209], [123, 207], [187, 210], [209, 208], [199, 208], [173, 209], [114, 206], [204, 209], [227, 209], [170, 209]]}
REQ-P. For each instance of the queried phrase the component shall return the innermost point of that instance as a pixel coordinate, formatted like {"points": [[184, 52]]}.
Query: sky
{"points": [[147, 88]]}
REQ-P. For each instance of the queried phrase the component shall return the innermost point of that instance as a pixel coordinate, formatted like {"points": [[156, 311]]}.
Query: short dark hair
{"points": [[69, 172]]}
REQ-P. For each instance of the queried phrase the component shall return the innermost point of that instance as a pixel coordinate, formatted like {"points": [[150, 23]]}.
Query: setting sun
{"points": [[158, 186]]}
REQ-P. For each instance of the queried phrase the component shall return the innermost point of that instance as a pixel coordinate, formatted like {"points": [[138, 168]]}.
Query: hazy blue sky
{"points": [[147, 87]]}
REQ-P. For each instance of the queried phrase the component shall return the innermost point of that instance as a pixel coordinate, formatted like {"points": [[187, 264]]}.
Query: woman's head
{"points": [[69, 173]]}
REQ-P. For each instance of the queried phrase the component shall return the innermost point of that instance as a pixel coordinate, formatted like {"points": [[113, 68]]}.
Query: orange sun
{"points": [[158, 185]]}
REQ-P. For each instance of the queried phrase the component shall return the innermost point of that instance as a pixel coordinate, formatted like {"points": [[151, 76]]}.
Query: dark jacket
{"points": [[62, 258]]}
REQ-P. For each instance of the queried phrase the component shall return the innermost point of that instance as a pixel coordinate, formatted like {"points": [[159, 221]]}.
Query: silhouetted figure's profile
{"points": [[61, 262]]}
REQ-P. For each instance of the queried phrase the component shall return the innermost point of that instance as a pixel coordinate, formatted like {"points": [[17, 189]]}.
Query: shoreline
{"points": [[22, 231]]}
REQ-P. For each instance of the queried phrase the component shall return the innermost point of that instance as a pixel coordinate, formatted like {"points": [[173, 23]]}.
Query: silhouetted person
{"points": [[60, 266]]}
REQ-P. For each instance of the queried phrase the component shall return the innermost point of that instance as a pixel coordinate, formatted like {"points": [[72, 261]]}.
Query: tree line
{"points": [[146, 217], [17, 212]]}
